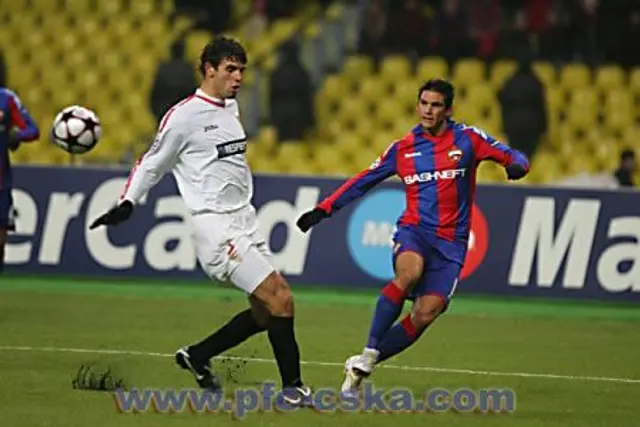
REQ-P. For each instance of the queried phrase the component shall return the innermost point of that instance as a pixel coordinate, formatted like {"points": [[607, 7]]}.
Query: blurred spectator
{"points": [[524, 114], [174, 80], [484, 26], [587, 31], [620, 24], [515, 40], [372, 30], [257, 20], [405, 30], [450, 36], [553, 40], [627, 168], [276, 9], [212, 15], [291, 95]]}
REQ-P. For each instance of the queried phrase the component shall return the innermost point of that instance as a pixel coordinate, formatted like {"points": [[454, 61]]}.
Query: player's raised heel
{"points": [[365, 363], [205, 378]]}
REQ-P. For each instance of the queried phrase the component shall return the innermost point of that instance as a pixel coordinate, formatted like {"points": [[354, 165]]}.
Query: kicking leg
{"points": [[408, 267], [237, 330], [432, 297], [424, 312]]}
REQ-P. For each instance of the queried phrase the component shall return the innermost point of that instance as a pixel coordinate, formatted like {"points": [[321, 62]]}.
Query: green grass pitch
{"points": [[569, 363]]}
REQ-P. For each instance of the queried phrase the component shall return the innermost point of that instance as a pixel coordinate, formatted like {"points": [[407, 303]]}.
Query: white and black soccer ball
{"points": [[76, 129]]}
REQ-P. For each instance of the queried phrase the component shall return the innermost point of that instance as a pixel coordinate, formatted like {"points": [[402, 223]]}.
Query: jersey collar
{"points": [[210, 99]]}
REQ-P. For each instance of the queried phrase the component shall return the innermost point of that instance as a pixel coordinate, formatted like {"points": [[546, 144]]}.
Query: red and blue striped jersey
{"points": [[13, 114], [439, 175]]}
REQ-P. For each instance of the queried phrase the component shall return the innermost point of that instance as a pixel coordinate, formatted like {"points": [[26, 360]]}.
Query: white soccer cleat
{"points": [[357, 368], [352, 378], [366, 362]]}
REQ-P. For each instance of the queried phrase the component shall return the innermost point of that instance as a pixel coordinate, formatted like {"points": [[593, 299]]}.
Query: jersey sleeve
{"points": [[20, 117], [158, 160], [487, 147], [382, 168]]}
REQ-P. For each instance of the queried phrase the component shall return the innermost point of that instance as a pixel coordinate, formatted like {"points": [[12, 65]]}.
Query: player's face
{"points": [[432, 110], [228, 77]]}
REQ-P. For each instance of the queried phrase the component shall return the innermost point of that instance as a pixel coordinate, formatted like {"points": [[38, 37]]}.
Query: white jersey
{"points": [[202, 142]]}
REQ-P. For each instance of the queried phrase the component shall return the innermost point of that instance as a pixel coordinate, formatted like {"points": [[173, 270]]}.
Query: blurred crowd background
{"points": [[331, 83]]}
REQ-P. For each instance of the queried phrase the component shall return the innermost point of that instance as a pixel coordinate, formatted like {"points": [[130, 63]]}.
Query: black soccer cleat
{"points": [[201, 370], [298, 397]]}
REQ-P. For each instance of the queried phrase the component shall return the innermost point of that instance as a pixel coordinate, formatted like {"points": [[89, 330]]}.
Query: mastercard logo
{"points": [[478, 242]]}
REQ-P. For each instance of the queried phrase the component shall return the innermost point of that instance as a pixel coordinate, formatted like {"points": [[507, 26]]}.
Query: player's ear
{"points": [[209, 69]]}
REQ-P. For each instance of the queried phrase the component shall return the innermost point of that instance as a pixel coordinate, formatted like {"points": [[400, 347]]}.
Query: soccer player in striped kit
{"points": [[16, 126], [437, 162]]}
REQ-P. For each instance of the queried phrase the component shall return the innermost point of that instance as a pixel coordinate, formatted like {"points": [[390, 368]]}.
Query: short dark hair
{"points": [[221, 48], [627, 154], [443, 87]]}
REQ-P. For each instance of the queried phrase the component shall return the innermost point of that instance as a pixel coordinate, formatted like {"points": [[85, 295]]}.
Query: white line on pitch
{"points": [[335, 364]]}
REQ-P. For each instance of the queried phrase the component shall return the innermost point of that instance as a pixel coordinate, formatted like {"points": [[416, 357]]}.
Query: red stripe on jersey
{"points": [[446, 191], [165, 119], [16, 115], [407, 167], [133, 171], [211, 101], [163, 123]]}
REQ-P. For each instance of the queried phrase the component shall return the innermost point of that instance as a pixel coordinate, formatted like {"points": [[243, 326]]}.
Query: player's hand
{"points": [[310, 218], [14, 141], [515, 172], [115, 216]]}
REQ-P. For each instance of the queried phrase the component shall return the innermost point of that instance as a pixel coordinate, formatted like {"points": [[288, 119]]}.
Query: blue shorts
{"points": [[7, 214], [443, 261]]}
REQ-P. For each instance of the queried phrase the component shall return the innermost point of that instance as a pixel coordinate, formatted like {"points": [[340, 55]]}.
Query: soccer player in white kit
{"points": [[202, 142]]}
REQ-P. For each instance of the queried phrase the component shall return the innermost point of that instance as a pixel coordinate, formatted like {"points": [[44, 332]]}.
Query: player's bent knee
{"points": [[406, 280], [427, 309], [276, 295]]}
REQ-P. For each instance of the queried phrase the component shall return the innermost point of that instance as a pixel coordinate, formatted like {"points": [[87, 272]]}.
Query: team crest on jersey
{"points": [[455, 154]]}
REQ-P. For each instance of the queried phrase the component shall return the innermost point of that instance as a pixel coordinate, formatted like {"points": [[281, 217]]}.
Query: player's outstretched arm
{"points": [[146, 173], [352, 189], [26, 128], [486, 147]]}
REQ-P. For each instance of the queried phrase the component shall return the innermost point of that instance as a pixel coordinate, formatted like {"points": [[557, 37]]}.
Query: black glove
{"points": [[515, 171], [14, 141], [115, 216], [310, 218]]}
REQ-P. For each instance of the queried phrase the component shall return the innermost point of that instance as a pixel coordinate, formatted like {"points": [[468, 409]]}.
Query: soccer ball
{"points": [[76, 129]]}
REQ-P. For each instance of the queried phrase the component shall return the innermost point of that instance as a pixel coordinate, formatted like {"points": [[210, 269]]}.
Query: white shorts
{"points": [[230, 248]]}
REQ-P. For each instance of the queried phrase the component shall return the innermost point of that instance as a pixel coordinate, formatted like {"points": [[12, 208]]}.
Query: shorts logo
{"points": [[232, 252]]}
